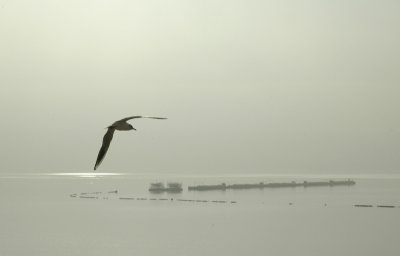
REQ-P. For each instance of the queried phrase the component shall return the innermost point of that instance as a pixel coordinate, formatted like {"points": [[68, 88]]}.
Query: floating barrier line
{"points": [[86, 195], [261, 185]]}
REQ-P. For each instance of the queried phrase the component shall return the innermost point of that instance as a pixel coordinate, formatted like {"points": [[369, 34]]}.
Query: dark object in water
{"points": [[90, 193], [208, 187], [172, 187], [386, 206], [261, 185], [89, 197], [362, 205]]}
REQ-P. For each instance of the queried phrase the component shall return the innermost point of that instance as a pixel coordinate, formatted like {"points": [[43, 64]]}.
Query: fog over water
{"points": [[40, 214]]}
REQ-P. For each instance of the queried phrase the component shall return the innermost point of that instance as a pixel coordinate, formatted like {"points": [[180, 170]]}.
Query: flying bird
{"points": [[120, 125]]}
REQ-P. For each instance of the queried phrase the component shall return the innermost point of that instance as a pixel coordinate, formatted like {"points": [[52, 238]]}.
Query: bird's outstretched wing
{"points": [[133, 117], [104, 147]]}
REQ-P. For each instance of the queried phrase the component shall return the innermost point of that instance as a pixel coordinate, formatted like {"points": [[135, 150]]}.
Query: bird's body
{"points": [[120, 125]]}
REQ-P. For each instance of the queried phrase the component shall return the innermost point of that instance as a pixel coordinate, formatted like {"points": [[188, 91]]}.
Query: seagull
{"points": [[120, 125]]}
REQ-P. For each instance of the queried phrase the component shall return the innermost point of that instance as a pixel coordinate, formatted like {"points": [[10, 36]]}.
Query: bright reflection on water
{"points": [[86, 174], [223, 176]]}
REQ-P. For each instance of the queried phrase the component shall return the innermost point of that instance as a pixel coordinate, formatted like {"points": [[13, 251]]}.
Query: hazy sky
{"points": [[282, 86]]}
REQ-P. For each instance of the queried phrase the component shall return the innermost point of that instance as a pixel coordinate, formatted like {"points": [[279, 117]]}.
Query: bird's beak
{"points": [[133, 128]]}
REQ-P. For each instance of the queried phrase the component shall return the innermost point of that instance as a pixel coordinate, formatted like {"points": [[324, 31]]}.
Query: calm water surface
{"points": [[39, 217]]}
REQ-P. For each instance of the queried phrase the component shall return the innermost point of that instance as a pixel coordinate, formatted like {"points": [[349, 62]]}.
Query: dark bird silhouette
{"points": [[120, 125]]}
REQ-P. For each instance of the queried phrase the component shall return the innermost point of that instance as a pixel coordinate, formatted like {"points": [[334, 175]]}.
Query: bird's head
{"points": [[131, 127]]}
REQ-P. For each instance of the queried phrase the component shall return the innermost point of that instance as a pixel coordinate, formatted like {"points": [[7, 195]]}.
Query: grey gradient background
{"points": [[282, 86]]}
